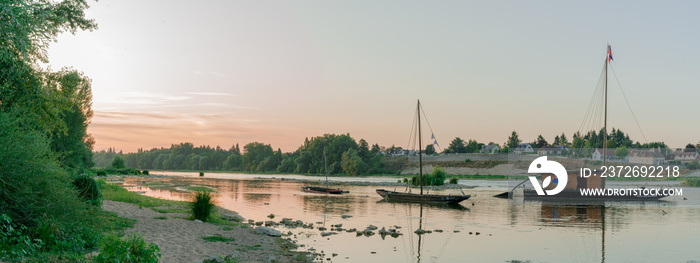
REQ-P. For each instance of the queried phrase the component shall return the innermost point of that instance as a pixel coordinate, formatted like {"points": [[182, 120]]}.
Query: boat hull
{"points": [[322, 190], [417, 198]]}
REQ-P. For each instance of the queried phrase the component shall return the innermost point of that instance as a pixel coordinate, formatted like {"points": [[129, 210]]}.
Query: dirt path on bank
{"points": [[181, 240]]}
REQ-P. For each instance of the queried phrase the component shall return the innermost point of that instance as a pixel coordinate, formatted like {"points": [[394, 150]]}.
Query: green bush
{"points": [[453, 181], [88, 190], [144, 172], [117, 162], [692, 182], [14, 244], [133, 250], [201, 173], [437, 177], [34, 188], [202, 205], [101, 172], [467, 160]]}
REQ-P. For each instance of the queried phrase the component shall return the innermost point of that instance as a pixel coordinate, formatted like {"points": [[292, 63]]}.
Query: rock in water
{"points": [[268, 231], [325, 234]]}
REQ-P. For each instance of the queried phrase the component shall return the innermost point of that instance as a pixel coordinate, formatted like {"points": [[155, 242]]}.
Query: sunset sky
{"points": [[227, 72]]}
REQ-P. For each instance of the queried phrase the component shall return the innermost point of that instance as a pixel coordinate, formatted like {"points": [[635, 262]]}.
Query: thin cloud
{"points": [[142, 98], [209, 93]]}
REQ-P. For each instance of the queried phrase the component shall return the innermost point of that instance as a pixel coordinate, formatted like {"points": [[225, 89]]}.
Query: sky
{"points": [[228, 72]]}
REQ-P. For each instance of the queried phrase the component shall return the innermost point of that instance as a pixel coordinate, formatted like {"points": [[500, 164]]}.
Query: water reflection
{"points": [[435, 205], [539, 231]]}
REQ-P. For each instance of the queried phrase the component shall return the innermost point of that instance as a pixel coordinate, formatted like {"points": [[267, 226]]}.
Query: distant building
{"points": [[524, 148], [684, 157], [490, 149], [553, 150], [597, 154], [646, 156]]}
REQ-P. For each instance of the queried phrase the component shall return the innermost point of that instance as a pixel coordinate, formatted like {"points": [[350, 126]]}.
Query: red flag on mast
{"points": [[609, 54]]}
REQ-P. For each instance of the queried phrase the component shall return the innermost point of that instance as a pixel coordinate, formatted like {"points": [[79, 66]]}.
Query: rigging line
{"points": [[628, 105], [413, 128], [599, 112], [430, 127], [594, 115], [599, 106], [590, 104]]}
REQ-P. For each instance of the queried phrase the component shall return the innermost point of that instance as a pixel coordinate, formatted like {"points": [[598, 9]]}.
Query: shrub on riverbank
{"points": [[88, 190], [14, 242], [437, 177], [115, 171], [131, 249], [202, 205], [692, 182], [36, 192]]}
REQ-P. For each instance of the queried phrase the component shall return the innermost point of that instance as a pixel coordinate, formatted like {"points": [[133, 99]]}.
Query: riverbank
{"points": [[166, 224]]}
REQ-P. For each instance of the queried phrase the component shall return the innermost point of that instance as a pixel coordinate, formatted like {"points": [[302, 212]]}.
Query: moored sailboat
{"points": [[323, 190], [421, 198], [579, 188]]}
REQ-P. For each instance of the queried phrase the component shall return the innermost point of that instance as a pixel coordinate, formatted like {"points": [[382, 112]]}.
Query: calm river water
{"points": [[481, 229]]}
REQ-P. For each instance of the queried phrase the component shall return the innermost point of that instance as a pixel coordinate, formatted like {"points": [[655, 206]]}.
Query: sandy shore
{"points": [[181, 240]]}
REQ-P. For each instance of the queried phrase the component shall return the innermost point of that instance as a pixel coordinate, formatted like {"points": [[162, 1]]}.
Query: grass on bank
{"points": [[118, 193], [114, 192], [202, 205], [695, 182], [217, 238]]}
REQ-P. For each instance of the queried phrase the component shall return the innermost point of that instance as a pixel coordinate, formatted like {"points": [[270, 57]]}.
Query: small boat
{"points": [[421, 198], [323, 190]]}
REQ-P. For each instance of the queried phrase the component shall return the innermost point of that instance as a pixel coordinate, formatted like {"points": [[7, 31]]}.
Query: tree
{"points": [[429, 149], [541, 142], [505, 150], [352, 163], [375, 149], [513, 141], [562, 140], [255, 153], [363, 149], [393, 148], [42, 120], [690, 148], [457, 146], [473, 146], [621, 152], [27, 29], [118, 162], [72, 143]]}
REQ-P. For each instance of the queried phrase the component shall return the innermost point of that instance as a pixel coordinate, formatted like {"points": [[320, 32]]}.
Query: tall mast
{"points": [[420, 154], [605, 121], [326, 165]]}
